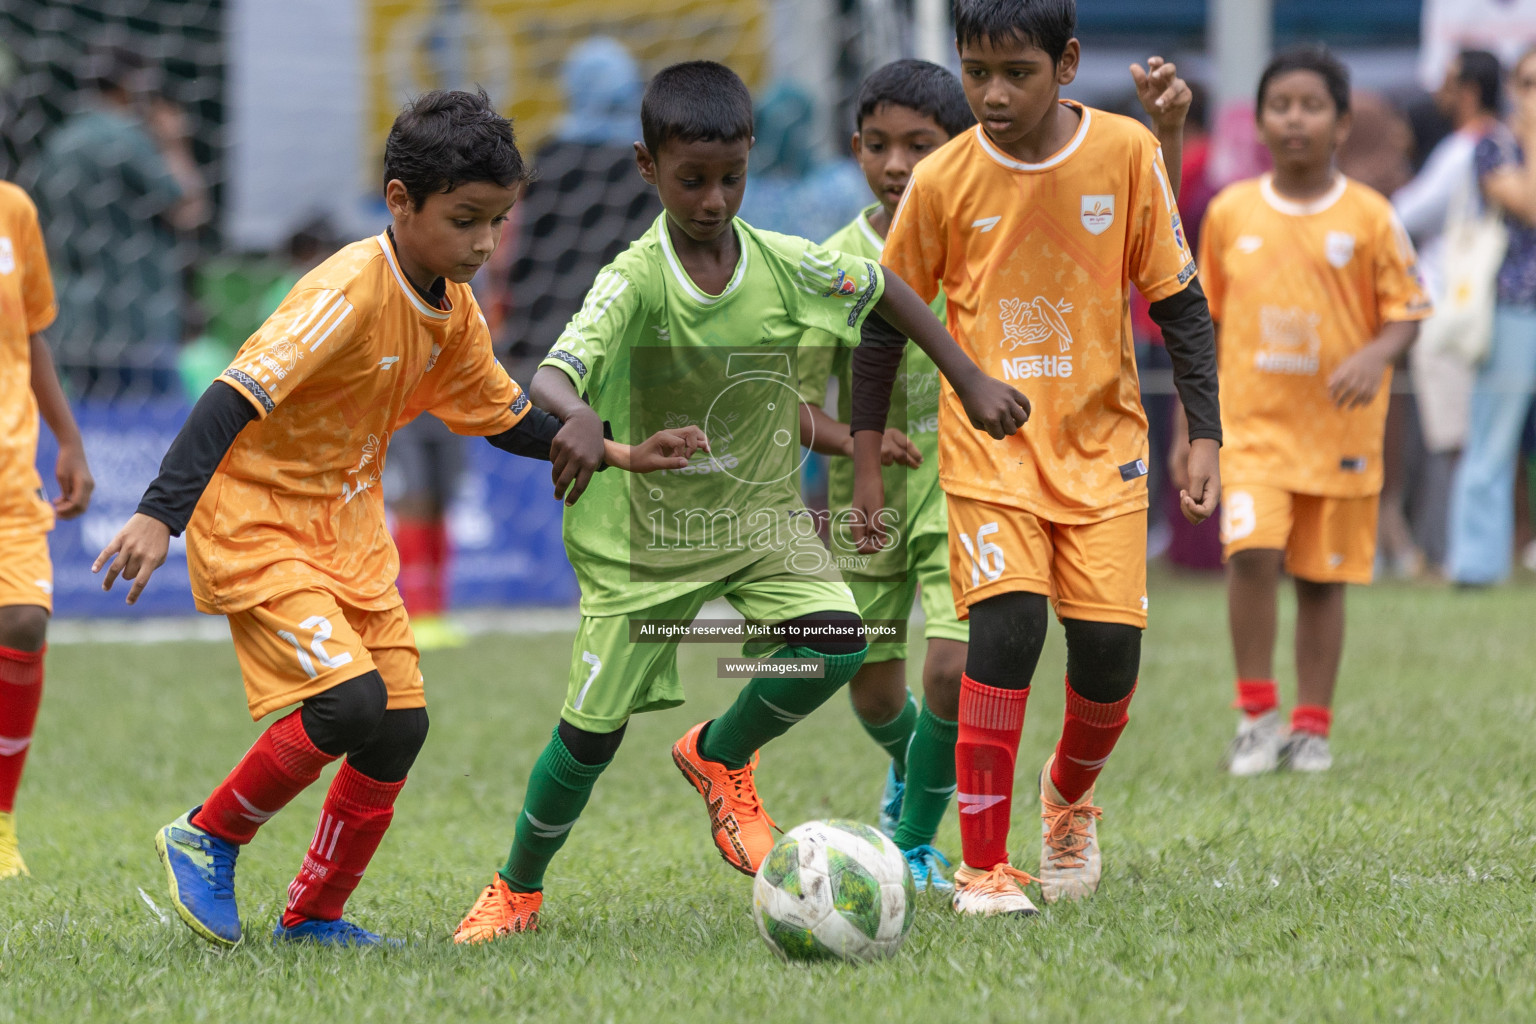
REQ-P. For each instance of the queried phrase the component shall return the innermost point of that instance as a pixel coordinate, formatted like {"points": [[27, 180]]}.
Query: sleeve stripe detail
{"points": [[1157, 169], [256, 391], [326, 298], [346, 311]]}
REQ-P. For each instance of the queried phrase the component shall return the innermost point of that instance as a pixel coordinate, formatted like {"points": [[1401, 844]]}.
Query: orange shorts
{"points": [[1325, 540], [1091, 571], [26, 571], [305, 642]]}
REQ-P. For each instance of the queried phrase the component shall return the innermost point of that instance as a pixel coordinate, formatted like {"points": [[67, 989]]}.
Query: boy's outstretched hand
{"points": [[1163, 94], [1201, 487], [140, 547], [665, 449]]}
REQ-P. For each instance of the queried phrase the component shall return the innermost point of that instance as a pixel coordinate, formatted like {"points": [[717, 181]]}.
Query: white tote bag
{"points": [[1474, 244]]}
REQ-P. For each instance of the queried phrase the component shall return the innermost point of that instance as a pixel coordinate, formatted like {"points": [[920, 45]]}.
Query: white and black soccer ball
{"points": [[834, 890]]}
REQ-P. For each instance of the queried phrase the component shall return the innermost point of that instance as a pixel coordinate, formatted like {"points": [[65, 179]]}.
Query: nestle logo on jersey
{"points": [[1025, 367]]}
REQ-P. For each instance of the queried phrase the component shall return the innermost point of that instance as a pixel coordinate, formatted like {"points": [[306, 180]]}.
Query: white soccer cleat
{"points": [[1306, 752], [1070, 861], [999, 891], [1256, 747]]}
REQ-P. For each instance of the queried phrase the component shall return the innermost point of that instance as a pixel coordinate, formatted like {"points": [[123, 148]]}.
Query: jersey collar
{"points": [[1054, 159], [1300, 209], [870, 234], [386, 245], [685, 282]]}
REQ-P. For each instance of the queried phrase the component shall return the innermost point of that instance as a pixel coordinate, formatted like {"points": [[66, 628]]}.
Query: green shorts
{"points": [[613, 677], [928, 564]]}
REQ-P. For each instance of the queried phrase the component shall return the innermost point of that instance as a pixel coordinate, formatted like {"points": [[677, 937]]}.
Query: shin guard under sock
{"points": [[279, 765], [768, 705], [986, 746], [557, 793], [930, 780], [356, 813], [1088, 735], [21, 691]]}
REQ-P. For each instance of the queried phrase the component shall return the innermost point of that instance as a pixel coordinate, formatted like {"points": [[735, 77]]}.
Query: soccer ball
{"points": [[833, 890]]}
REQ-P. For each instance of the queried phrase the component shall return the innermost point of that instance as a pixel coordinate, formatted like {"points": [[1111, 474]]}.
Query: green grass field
{"points": [[1398, 886]]}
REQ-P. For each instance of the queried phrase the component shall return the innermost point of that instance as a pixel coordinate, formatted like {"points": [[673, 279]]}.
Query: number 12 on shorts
{"points": [[986, 557], [321, 632]]}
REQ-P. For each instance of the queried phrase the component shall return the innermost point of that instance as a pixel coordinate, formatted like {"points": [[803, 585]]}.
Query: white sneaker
{"points": [[1256, 747], [1070, 861], [1306, 752], [999, 891]]}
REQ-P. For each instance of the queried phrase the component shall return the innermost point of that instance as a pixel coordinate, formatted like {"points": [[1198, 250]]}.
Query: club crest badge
{"points": [[1098, 213], [1339, 247]]}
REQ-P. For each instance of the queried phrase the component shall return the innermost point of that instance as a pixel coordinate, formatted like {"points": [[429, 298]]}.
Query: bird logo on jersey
{"points": [[1035, 322], [1098, 213]]}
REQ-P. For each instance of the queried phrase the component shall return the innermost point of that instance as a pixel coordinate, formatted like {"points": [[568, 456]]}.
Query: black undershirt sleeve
{"points": [[875, 363], [199, 447], [532, 434], [1190, 338]]}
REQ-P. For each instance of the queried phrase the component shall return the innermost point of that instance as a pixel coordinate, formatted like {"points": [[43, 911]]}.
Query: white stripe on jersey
{"points": [[1157, 169], [335, 324]]}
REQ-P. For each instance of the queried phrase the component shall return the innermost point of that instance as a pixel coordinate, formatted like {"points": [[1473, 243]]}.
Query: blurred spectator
{"points": [[116, 184], [1376, 153], [1482, 497], [1469, 98], [789, 188], [586, 205]]}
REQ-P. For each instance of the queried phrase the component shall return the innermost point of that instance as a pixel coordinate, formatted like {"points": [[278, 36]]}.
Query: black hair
{"points": [[1481, 68], [1048, 24], [1316, 59], [695, 101], [112, 64], [921, 86], [442, 140]]}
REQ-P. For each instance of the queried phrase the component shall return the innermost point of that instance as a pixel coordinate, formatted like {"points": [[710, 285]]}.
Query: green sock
{"points": [[557, 792], [930, 780], [896, 734], [769, 705]]}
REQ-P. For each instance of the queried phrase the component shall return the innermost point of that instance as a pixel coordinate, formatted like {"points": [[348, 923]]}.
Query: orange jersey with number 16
{"points": [[353, 352], [1037, 261]]}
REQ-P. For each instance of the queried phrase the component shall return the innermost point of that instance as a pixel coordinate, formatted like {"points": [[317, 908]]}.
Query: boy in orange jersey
{"points": [[1035, 224], [290, 542], [28, 387], [1316, 289]]}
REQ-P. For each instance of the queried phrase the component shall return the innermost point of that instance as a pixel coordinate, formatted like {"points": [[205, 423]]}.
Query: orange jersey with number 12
{"points": [[1037, 261], [353, 352]]}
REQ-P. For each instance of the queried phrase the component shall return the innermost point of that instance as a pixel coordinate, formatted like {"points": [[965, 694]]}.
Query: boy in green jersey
{"points": [[906, 110], [698, 322]]}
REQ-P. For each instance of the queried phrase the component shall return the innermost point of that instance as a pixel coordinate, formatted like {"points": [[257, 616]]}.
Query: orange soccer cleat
{"points": [[742, 830], [499, 911]]}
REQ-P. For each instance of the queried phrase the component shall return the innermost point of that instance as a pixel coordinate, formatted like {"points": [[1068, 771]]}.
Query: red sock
{"points": [[1256, 696], [419, 587], [985, 749], [1087, 737], [21, 690], [279, 765], [1313, 718], [357, 811]]}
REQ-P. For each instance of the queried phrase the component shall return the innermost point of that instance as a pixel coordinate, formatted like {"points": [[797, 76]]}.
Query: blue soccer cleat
{"points": [[925, 862], [330, 933], [200, 868], [891, 800]]}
